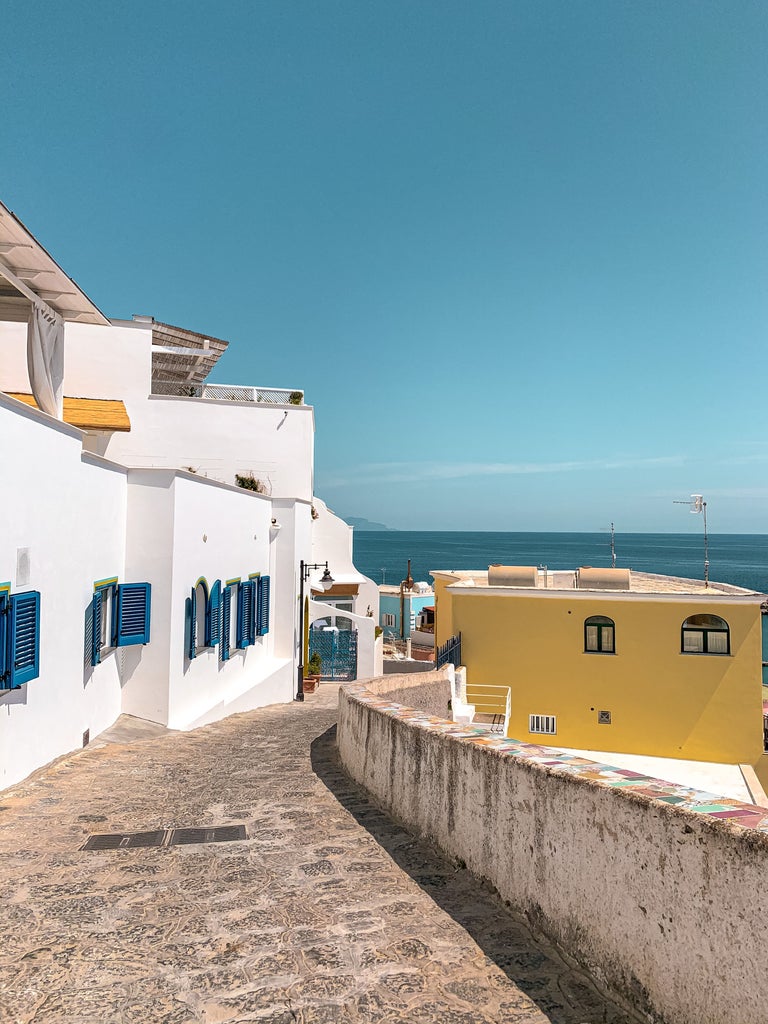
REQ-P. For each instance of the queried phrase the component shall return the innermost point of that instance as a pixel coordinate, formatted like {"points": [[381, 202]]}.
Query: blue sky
{"points": [[515, 253]]}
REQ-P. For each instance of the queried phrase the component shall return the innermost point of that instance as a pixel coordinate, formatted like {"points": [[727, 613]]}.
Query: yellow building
{"points": [[614, 660]]}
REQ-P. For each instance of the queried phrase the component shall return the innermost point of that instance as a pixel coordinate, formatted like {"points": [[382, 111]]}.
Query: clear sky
{"points": [[515, 252]]}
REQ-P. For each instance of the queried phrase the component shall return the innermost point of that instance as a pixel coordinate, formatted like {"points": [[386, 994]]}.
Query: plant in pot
{"points": [[312, 673]]}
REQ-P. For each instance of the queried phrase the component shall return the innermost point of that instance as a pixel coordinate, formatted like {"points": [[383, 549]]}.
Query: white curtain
{"points": [[45, 358]]}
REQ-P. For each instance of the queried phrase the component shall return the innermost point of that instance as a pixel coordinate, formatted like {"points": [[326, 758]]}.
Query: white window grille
{"points": [[543, 723], [387, 619]]}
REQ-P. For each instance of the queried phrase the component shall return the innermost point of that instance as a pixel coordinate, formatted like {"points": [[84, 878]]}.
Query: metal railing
{"points": [[227, 392], [449, 653], [491, 702]]}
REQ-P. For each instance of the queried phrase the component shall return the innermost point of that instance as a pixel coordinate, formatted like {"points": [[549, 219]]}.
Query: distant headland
{"points": [[365, 524]]}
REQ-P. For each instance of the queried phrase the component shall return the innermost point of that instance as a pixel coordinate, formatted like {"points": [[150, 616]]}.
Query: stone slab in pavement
{"points": [[328, 912]]}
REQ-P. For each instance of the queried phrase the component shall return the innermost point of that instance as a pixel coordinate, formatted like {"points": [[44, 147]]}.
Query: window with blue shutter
{"points": [[190, 631], [22, 636], [212, 612], [245, 614], [102, 619], [226, 622], [96, 628], [132, 614], [262, 615]]}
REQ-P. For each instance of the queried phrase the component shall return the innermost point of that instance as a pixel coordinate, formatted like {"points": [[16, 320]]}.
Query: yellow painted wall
{"points": [[443, 610], [662, 702]]}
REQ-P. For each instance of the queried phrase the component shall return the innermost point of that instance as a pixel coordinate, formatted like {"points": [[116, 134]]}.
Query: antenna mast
{"points": [[613, 547], [697, 505]]}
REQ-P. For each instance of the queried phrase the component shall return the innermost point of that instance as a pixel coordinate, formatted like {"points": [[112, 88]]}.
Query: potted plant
{"points": [[312, 673]]}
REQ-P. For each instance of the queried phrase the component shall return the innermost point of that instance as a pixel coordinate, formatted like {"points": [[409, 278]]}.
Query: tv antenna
{"points": [[697, 505], [613, 544], [383, 575]]}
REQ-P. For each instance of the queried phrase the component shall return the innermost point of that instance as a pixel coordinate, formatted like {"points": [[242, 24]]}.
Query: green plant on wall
{"points": [[296, 397], [250, 483], [315, 665]]}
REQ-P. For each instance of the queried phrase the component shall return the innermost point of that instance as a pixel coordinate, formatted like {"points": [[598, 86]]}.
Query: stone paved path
{"points": [[329, 912]]}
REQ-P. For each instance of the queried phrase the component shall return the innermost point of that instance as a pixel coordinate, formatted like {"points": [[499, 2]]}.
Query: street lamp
{"points": [[326, 581]]}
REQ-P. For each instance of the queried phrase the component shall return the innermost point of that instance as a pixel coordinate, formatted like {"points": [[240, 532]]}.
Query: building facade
{"points": [[614, 660], [153, 527]]}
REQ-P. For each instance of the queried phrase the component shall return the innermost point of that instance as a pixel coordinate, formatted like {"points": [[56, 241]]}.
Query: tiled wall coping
{"points": [[719, 810]]}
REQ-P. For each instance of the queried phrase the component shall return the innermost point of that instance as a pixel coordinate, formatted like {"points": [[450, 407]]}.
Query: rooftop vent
{"points": [[602, 579], [512, 576]]}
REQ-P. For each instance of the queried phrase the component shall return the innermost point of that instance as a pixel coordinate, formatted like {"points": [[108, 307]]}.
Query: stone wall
{"points": [[430, 692], [664, 904]]}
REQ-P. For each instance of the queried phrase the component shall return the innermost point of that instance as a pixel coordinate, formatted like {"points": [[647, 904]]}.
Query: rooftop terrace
{"points": [[587, 579]]}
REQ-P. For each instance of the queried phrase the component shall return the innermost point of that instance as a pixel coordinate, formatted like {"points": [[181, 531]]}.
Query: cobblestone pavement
{"points": [[328, 912]]}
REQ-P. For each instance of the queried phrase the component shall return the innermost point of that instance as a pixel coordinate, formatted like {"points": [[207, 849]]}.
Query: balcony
{"points": [[227, 392]]}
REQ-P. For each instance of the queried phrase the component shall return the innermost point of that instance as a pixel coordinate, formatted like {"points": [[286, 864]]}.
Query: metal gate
{"points": [[338, 649]]}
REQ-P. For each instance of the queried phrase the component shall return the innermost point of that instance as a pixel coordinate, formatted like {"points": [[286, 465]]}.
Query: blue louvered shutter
{"points": [[226, 615], [245, 615], [5, 671], [132, 615], [212, 612], [24, 638], [96, 628], [191, 625], [263, 612]]}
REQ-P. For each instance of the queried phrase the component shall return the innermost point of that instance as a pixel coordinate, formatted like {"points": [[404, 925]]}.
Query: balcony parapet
{"points": [[227, 392]]}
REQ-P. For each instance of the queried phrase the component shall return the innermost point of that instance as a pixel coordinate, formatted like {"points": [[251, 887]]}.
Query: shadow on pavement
{"points": [[565, 995]]}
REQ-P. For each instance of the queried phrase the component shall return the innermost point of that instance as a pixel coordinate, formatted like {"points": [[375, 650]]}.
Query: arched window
{"points": [[201, 614], [705, 634], [599, 635]]}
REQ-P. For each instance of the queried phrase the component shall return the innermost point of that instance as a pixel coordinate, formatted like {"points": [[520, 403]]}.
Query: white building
{"points": [[139, 578]]}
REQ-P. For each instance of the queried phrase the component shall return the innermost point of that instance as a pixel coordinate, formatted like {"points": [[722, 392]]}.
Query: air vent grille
{"points": [[543, 724]]}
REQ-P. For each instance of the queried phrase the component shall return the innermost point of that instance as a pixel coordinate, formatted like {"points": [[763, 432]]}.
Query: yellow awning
{"points": [[88, 413]]}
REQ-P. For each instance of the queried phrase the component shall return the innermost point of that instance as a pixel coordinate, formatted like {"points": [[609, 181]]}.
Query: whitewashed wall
{"points": [[332, 542], [68, 510], [217, 438], [218, 532]]}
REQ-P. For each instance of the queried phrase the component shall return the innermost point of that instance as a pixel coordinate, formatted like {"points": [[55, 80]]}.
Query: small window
{"points": [[543, 723], [119, 617], [705, 634], [599, 635], [246, 612], [262, 605], [388, 620], [19, 638], [228, 620]]}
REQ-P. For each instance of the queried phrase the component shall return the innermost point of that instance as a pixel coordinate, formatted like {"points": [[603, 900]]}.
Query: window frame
{"points": [[600, 623], [103, 619], [705, 631]]}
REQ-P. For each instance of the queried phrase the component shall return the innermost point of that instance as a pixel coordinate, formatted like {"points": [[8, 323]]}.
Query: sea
{"points": [[737, 558]]}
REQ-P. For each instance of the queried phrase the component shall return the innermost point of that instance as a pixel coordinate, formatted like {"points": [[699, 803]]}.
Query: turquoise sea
{"points": [[741, 559]]}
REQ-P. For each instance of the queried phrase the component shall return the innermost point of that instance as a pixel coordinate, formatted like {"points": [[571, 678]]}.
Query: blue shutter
{"points": [[24, 639], [245, 614], [96, 628], [191, 625], [132, 614], [263, 613], [5, 671], [226, 614], [212, 611]]}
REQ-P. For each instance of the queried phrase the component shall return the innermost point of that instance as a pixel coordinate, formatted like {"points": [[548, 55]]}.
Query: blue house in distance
{"points": [[401, 614]]}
